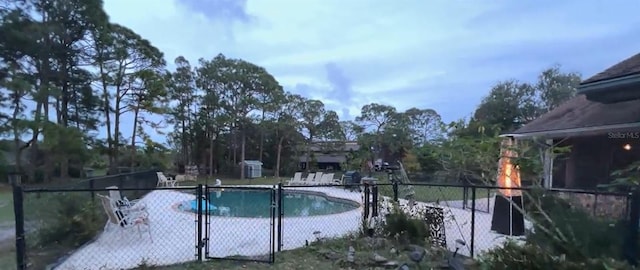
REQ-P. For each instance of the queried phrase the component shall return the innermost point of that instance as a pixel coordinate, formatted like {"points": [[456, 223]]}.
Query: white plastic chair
{"points": [[123, 220], [118, 201], [164, 181], [297, 179], [316, 180], [327, 179]]}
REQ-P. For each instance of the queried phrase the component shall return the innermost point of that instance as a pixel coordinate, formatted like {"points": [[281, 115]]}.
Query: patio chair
{"points": [[308, 180], [297, 179], [124, 221], [327, 179], [164, 181], [316, 179], [122, 202]]}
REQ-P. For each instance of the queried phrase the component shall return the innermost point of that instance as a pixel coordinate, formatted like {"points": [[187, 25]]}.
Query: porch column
{"points": [[548, 164]]}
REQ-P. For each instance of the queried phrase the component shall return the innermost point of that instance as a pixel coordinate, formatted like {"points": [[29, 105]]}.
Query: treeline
{"points": [[69, 77]]}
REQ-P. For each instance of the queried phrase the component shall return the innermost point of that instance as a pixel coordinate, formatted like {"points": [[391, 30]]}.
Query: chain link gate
{"points": [[237, 223]]}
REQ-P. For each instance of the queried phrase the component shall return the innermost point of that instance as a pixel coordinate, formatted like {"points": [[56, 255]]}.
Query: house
{"points": [[601, 126], [329, 155]]}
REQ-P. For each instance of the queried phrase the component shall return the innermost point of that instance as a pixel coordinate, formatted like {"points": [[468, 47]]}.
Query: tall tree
{"points": [[425, 125], [375, 118], [147, 95], [121, 56], [182, 91], [240, 83], [555, 87], [509, 105], [285, 123], [350, 130]]}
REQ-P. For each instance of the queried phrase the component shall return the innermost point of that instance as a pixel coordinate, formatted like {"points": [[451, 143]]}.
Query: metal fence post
{"points": [[473, 220], [280, 214], [395, 191], [367, 200], [199, 243], [465, 195], [18, 208], [274, 202], [631, 245], [92, 186], [374, 203]]}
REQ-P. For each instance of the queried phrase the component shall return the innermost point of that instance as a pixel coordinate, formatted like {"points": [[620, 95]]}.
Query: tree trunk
{"points": [[33, 151], [211, 154], [116, 134], [185, 152], [136, 111], [107, 114], [16, 134], [308, 158], [242, 155], [235, 148], [278, 156], [64, 117], [261, 151], [48, 166]]}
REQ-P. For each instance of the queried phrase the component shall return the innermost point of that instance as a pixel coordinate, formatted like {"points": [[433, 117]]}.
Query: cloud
{"points": [[224, 10], [443, 55]]}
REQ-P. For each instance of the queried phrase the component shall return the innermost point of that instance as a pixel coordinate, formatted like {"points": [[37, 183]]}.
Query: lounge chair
{"points": [[124, 220], [316, 179], [327, 179], [164, 181], [297, 179], [308, 180]]}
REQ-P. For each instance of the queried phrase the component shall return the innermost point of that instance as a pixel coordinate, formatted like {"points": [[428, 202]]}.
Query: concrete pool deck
{"points": [[174, 233]]}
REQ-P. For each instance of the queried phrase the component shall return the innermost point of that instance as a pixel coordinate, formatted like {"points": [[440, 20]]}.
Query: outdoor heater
{"points": [[507, 219]]}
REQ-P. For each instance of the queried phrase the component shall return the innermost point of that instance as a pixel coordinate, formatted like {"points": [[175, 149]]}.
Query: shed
{"points": [[252, 168]]}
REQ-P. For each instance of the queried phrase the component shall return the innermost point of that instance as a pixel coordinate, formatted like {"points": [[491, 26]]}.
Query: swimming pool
{"points": [[257, 204]]}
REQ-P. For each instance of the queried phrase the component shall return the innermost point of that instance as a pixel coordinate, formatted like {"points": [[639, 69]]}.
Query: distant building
{"points": [[329, 155]]}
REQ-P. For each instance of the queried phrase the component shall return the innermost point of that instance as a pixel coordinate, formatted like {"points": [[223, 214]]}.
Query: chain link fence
{"points": [[124, 222]]}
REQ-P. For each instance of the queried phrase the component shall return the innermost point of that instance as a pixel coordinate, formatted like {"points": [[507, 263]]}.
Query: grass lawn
{"points": [[6, 206], [7, 249], [7, 258]]}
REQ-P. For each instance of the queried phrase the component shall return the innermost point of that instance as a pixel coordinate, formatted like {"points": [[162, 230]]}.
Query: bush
{"points": [[532, 257], [564, 237], [585, 236], [67, 220], [399, 224]]}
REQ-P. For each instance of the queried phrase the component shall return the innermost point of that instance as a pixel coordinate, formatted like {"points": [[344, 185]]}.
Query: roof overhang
{"points": [[574, 132], [612, 90]]}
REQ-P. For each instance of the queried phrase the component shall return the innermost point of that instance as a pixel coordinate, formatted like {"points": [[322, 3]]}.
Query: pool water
{"points": [[257, 204]]}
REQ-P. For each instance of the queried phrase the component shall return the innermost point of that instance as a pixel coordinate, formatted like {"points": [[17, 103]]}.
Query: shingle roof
{"points": [[629, 66], [579, 112]]}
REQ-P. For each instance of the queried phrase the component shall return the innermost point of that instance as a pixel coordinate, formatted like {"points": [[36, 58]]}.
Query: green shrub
{"points": [[68, 220], [564, 237], [584, 236], [531, 257], [400, 224]]}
